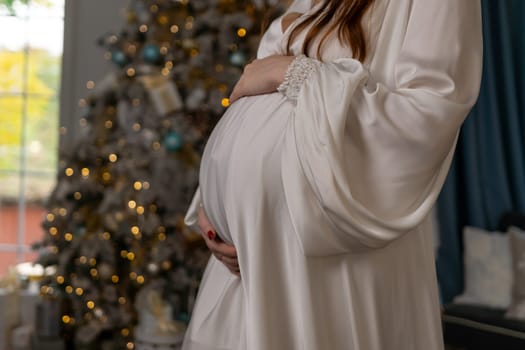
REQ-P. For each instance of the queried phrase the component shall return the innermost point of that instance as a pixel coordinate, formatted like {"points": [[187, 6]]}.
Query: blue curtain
{"points": [[487, 177]]}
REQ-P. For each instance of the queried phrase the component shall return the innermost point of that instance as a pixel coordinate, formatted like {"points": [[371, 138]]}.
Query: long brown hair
{"points": [[345, 16]]}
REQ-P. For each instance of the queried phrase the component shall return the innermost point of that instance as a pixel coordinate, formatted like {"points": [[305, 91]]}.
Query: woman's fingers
{"points": [[225, 253], [204, 224], [231, 264], [261, 76], [219, 247], [235, 95]]}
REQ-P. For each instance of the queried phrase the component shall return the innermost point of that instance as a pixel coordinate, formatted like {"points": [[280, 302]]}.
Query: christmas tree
{"points": [[115, 219]]}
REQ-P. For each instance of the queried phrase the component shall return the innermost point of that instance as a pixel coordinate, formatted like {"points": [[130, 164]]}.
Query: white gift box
{"points": [[149, 323], [163, 93]]}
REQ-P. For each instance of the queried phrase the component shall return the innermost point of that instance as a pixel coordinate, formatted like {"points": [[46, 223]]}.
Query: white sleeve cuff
{"points": [[298, 71]]}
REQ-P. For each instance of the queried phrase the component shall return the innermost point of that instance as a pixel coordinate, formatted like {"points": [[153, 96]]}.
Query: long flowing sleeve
{"points": [[368, 148]]}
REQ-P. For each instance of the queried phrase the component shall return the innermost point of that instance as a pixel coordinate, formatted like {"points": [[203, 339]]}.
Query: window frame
{"points": [[20, 248]]}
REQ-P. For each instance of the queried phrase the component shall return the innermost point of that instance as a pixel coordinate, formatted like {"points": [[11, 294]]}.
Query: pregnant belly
{"points": [[241, 161]]}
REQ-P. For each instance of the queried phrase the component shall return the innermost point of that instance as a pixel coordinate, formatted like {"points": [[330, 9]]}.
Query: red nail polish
{"points": [[211, 235]]}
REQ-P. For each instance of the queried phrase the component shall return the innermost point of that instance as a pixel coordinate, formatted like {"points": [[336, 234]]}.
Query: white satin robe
{"points": [[327, 200]]}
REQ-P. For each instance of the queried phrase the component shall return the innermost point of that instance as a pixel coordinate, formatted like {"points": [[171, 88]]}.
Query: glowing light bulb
{"points": [[166, 265], [241, 32], [163, 20]]}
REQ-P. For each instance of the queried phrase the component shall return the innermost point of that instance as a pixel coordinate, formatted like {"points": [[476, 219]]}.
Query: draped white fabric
{"points": [[328, 200]]}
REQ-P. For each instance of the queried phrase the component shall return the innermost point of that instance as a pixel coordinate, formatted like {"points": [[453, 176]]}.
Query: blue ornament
{"points": [[119, 58], [237, 58], [173, 141], [151, 53]]}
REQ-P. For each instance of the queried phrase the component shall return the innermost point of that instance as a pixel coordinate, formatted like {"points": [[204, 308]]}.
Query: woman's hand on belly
{"points": [[261, 76], [225, 253]]}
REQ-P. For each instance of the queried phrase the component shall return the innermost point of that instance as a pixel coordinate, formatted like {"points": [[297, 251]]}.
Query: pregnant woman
{"points": [[317, 184]]}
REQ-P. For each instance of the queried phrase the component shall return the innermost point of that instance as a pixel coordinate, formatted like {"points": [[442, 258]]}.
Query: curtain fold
{"points": [[487, 177]]}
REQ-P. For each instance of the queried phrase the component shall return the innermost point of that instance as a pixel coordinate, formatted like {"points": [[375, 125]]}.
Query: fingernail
{"points": [[211, 235]]}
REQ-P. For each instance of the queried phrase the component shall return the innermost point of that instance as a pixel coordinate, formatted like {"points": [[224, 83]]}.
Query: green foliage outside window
{"points": [[41, 109], [33, 93], [10, 4]]}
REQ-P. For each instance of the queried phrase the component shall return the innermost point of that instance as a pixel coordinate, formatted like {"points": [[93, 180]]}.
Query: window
{"points": [[30, 62]]}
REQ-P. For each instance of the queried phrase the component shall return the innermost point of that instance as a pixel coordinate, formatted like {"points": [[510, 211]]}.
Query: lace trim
{"points": [[298, 71]]}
